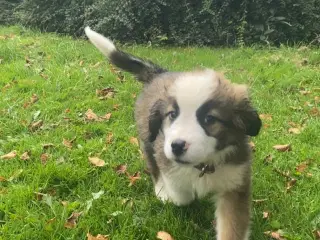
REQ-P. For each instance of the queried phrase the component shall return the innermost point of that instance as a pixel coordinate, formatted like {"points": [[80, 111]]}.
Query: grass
{"points": [[64, 75]]}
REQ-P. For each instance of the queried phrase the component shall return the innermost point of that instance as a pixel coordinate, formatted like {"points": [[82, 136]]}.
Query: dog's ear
{"points": [[144, 71], [156, 116], [246, 118]]}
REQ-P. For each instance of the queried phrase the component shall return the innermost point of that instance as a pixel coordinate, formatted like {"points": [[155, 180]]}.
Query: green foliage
{"points": [[203, 22]]}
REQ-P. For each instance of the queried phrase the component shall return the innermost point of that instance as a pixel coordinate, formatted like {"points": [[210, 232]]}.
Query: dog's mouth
{"points": [[182, 162]]}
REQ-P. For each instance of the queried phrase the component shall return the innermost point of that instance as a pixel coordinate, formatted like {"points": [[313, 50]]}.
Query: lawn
{"points": [[47, 85]]}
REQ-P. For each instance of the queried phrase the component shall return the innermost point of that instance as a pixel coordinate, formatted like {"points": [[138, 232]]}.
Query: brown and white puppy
{"points": [[194, 127]]}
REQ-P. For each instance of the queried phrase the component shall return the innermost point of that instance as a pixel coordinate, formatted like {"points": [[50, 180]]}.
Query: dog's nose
{"points": [[178, 147]]}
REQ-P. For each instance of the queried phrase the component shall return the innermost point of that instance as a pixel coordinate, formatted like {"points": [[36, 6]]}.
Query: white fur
{"points": [[191, 91], [182, 184], [104, 44]]}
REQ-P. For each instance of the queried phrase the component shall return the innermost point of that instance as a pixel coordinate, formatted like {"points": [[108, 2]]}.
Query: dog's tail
{"points": [[145, 71]]}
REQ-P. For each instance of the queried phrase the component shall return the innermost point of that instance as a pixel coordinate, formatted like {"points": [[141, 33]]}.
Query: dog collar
{"points": [[205, 168]]}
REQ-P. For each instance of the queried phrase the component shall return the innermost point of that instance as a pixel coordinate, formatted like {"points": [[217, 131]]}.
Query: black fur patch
{"points": [[143, 70], [155, 119]]}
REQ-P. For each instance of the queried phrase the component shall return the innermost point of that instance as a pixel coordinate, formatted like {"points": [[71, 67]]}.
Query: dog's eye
{"points": [[209, 119], [172, 115]]}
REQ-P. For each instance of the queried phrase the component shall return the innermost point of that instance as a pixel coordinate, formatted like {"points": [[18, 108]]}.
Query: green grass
{"points": [[275, 76]]}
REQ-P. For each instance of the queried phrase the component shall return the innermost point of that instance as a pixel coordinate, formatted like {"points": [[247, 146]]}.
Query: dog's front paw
{"points": [[161, 193]]}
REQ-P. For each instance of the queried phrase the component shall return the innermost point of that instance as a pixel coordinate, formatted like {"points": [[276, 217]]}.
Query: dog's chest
{"points": [[225, 178]]}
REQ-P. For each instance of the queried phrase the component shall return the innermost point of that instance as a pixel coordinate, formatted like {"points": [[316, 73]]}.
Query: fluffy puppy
{"points": [[194, 129]]}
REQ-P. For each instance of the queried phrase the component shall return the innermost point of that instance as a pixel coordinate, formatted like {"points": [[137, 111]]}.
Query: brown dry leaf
{"points": [[267, 117], [98, 237], [68, 143], [316, 234], [97, 161], [34, 98], [294, 130], [134, 95], [316, 99], [109, 138], [305, 92], [81, 63], [268, 159], [291, 183], [44, 158], [252, 146], [314, 111], [44, 76], [162, 235], [107, 116], [72, 220], [274, 235], [121, 169], [25, 156], [36, 125], [105, 92], [38, 196], [134, 178], [302, 166], [9, 155], [265, 215], [282, 148], [3, 179], [116, 107], [90, 115], [134, 141]]}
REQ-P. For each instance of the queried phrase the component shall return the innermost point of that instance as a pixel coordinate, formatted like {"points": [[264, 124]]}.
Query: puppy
{"points": [[194, 129]]}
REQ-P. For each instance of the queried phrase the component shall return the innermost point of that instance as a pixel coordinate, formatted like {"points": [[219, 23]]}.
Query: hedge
{"points": [[201, 22]]}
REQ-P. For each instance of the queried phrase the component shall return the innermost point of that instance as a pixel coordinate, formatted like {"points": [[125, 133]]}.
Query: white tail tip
{"points": [[104, 44]]}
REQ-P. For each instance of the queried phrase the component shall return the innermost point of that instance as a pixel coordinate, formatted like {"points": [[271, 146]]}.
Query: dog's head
{"points": [[202, 114], [199, 113]]}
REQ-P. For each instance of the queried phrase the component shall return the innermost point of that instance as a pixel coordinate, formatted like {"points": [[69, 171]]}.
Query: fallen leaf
{"points": [[305, 92], [302, 166], [121, 169], [283, 174], [317, 99], [72, 220], [105, 93], [282, 148], [9, 155], [36, 125], [81, 63], [291, 183], [274, 235], [268, 159], [164, 236], [252, 146], [90, 115], [133, 95], [98, 237], [107, 116], [34, 98], [97, 161], [3, 179], [134, 178], [68, 143], [294, 130], [25, 156], [315, 111], [267, 117], [265, 215], [116, 107], [134, 141], [109, 138], [316, 234], [44, 158]]}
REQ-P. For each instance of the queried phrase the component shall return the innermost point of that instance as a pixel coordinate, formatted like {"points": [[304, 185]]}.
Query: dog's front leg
{"points": [[233, 216]]}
